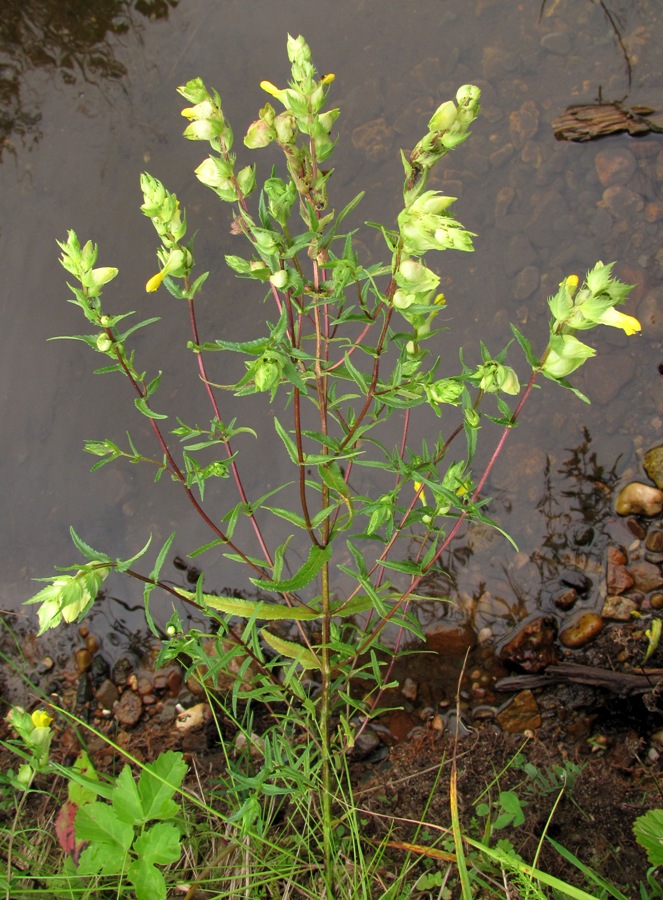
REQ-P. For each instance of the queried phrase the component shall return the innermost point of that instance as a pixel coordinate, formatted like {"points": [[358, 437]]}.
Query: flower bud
{"points": [[286, 129], [267, 374], [104, 343], [443, 117], [279, 279], [260, 134]]}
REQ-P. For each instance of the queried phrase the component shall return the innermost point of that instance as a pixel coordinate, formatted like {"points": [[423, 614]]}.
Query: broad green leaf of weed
{"points": [[158, 782], [77, 793], [107, 859], [512, 813], [98, 822], [147, 880], [159, 844], [126, 799], [648, 830]]}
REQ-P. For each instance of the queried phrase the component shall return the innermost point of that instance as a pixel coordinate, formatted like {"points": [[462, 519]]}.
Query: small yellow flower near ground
{"points": [[41, 719]]}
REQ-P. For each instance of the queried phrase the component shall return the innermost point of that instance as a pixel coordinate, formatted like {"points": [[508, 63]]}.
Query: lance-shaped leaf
{"points": [[291, 650], [317, 557], [245, 609]]}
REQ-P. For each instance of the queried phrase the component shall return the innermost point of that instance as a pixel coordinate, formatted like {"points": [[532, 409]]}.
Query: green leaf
{"points": [[99, 823], [290, 445], [147, 880], [648, 831], [106, 858], [290, 650], [86, 550], [317, 557], [158, 782], [125, 799], [160, 843], [142, 407], [235, 606]]}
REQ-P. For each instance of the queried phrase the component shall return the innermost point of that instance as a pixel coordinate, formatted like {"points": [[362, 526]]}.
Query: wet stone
{"points": [[106, 694], [521, 715], [573, 578], [582, 631], [409, 689], [647, 576], [622, 202], [566, 600], [83, 659], [620, 608], [656, 601], [615, 165], [654, 542], [653, 463], [450, 640], [524, 122], [121, 671], [639, 499], [533, 648], [99, 670], [503, 201], [610, 373], [128, 709], [527, 282], [557, 42], [619, 579]]}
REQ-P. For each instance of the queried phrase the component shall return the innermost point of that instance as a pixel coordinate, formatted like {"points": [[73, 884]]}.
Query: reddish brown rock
{"points": [[619, 579], [615, 165], [450, 640], [521, 715], [533, 648], [647, 576], [128, 709]]}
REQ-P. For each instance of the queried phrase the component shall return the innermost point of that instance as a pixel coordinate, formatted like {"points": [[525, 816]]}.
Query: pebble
{"points": [[409, 689], [656, 601], [557, 42], [107, 694], [121, 671], [192, 718], [653, 463], [566, 600], [654, 542], [640, 499], [618, 607], [615, 165], [533, 647], [127, 710], [524, 122], [83, 659], [647, 576], [582, 631], [450, 640], [521, 714]]}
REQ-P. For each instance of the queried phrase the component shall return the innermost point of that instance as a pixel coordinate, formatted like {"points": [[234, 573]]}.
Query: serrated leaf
{"points": [[291, 650], [648, 831], [147, 880], [99, 823], [157, 784], [290, 445], [271, 612], [125, 799], [160, 843], [317, 557], [107, 858]]}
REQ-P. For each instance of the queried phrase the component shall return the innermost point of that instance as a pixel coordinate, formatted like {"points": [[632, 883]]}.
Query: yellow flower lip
{"points": [[155, 282], [418, 485], [41, 719], [327, 79], [628, 324], [271, 89]]}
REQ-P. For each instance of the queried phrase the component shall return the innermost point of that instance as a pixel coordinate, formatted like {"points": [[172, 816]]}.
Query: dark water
{"points": [[89, 102]]}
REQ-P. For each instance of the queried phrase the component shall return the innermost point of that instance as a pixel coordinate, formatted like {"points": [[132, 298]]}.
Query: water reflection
{"points": [[75, 39]]}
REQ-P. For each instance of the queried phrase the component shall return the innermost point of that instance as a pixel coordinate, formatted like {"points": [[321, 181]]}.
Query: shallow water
{"points": [[89, 111]]}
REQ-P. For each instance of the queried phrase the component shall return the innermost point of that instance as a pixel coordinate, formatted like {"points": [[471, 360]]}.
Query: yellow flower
{"points": [[616, 319], [155, 282], [271, 89], [41, 719], [418, 485], [327, 79]]}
